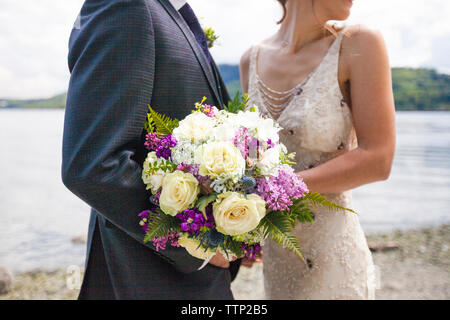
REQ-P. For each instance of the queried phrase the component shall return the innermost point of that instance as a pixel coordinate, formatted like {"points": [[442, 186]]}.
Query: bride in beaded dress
{"points": [[330, 89]]}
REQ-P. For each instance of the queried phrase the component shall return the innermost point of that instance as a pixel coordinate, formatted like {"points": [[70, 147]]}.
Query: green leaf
{"points": [[288, 159], [303, 216], [316, 199], [161, 124], [163, 164], [299, 212], [237, 104], [232, 246], [148, 126], [203, 202], [278, 226], [160, 225]]}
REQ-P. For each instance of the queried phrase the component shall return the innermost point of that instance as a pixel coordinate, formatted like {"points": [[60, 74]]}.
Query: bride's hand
{"points": [[248, 263]]}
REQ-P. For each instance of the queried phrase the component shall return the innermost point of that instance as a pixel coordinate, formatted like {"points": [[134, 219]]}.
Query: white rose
{"points": [[179, 192], [216, 158], [195, 127], [152, 180], [236, 214], [269, 161], [192, 246]]}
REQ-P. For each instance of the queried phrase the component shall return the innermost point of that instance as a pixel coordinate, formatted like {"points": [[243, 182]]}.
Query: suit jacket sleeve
{"points": [[112, 64]]}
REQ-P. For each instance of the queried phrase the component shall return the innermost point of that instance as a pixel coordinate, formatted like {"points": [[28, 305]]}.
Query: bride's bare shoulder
{"points": [[362, 47], [246, 57], [360, 36]]}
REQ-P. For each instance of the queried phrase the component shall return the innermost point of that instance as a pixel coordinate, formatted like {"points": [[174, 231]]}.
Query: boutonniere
{"points": [[211, 36]]}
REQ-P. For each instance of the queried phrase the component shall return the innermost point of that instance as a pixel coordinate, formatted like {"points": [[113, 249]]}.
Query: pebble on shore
{"points": [[413, 264], [6, 280], [82, 239]]}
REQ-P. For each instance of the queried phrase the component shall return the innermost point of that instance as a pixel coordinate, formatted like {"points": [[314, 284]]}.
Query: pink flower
{"points": [[160, 243], [279, 191], [152, 141], [208, 110], [241, 141]]}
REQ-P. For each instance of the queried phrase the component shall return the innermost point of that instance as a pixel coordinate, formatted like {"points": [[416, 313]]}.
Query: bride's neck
{"points": [[300, 26]]}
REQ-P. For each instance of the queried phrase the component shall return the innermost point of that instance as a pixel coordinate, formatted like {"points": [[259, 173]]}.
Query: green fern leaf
{"points": [[303, 216], [160, 225], [162, 124], [149, 126], [232, 246], [316, 199], [278, 226]]}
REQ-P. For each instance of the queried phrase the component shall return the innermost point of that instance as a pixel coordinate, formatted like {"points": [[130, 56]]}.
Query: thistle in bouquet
{"points": [[222, 181]]}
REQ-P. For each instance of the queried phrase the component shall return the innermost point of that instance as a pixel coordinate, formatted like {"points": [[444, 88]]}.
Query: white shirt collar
{"points": [[177, 4]]}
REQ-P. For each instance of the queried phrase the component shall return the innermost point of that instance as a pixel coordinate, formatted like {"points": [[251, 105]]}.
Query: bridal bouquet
{"points": [[221, 181]]}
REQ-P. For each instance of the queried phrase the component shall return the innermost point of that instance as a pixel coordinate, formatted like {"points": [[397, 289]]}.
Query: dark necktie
{"points": [[189, 16]]}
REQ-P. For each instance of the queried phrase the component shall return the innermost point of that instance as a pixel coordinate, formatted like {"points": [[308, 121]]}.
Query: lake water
{"points": [[39, 217]]}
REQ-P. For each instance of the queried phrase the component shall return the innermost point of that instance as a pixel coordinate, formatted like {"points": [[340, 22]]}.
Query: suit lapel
{"points": [[198, 51], [224, 95]]}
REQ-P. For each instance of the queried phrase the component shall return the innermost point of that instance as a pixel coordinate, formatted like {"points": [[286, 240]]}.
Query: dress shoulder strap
{"points": [[253, 58], [332, 65], [252, 68], [336, 46]]}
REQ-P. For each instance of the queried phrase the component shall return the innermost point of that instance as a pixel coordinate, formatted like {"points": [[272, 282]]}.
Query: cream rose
{"points": [[218, 158], [179, 192], [236, 214], [152, 180], [192, 246], [195, 127], [270, 160]]}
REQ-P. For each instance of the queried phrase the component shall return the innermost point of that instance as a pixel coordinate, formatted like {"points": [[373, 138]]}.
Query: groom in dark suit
{"points": [[124, 55]]}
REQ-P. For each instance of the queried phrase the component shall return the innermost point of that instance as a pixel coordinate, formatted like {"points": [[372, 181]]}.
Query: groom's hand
{"points": [[219, 261]]}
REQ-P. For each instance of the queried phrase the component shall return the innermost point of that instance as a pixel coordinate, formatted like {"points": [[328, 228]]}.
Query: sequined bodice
{"points": [[317, 122]]}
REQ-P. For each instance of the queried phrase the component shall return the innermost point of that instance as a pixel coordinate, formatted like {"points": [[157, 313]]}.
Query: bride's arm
{"points": [[244, 67], [373, 111]]}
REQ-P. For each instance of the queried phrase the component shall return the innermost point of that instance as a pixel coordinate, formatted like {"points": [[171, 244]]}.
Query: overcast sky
{"points": [[34, 36]]}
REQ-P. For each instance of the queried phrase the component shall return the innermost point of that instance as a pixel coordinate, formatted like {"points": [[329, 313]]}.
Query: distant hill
{"points": [[55, 102], [414, 89], [421, 89]]}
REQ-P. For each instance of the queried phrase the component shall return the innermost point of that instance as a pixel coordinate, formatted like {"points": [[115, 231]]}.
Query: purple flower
{"points": [[155, 198], [193, 169], [192, 220], [163, 149], [250, 251], [279, 191], [144, 214]]}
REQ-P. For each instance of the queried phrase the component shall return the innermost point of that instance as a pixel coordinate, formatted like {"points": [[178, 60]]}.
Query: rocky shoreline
{"points": [[413, 264]]}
